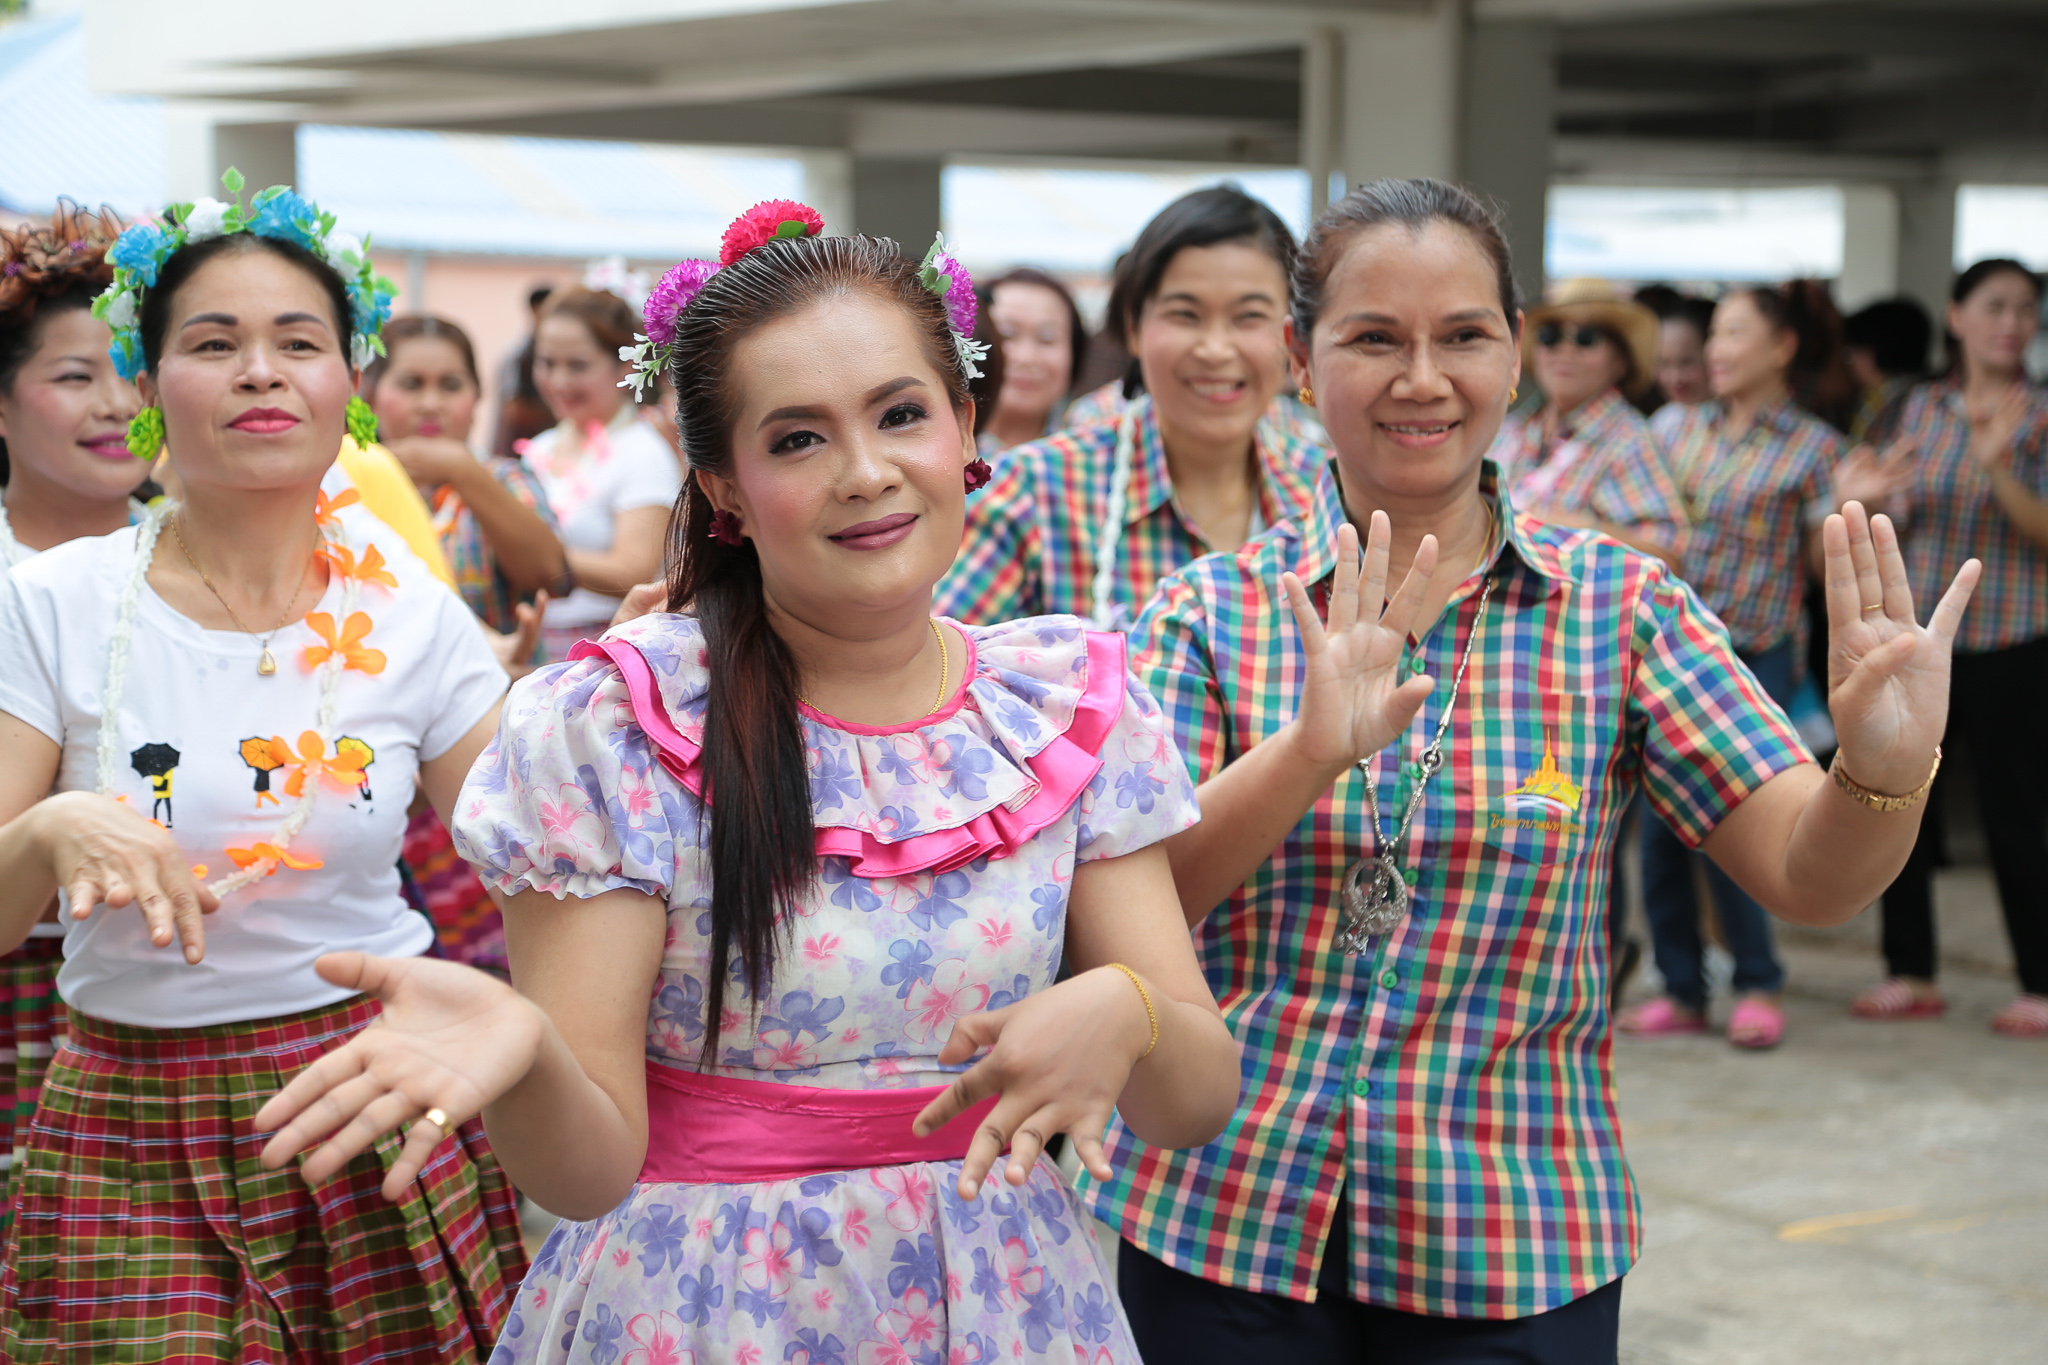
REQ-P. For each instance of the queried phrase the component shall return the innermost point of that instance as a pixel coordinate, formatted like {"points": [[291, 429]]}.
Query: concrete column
{"points": [[898, 197], [1322, 113], [1402, 74], [1510, 116], [199, 145], [1927, 242], [1870, 246], [828, 188]]}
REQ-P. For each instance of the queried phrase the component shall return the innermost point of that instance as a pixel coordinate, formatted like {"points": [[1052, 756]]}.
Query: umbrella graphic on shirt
{"points": [[158, 763], [357, 755], [266, 756]]}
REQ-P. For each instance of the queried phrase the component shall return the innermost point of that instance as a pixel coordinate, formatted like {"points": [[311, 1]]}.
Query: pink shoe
{"points": [[2026, 1017], [1756, 1023], [1892, 998], [1659, 1018]]}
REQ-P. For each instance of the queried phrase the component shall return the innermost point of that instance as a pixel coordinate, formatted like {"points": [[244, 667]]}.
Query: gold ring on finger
{"points": [[1876, 606], [438, 1117]]}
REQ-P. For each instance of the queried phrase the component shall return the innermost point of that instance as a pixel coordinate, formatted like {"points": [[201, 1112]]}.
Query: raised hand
{"points": [[1353, 700], [1870, 478], [1994, 428], [1059, 1059], [450, 1038], [106, 854], [514, 648], [1888, 676]]}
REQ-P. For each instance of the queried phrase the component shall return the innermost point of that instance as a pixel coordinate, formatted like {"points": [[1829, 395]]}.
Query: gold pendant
{"points": [[267, 665]]}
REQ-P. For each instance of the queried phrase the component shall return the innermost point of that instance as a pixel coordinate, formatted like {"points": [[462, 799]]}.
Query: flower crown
{"points": [[775, 220], [278, 213]]}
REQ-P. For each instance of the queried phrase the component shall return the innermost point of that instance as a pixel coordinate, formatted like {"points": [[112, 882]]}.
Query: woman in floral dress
{"points": [[779, 869]]}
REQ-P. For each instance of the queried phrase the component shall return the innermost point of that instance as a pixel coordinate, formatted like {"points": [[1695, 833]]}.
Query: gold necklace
{"points": [[266, 663], [945, 669]]}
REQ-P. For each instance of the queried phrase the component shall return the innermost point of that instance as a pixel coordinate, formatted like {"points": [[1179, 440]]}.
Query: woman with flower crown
{"points": [[233, 700], [65, 472], [782, 862]]}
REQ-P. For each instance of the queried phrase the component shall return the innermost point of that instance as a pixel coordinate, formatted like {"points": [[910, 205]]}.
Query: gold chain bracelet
{"points": [[1876, 800], [1145, 996]]}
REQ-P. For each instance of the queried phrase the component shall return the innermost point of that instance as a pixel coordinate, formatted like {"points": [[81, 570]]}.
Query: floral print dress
{"points": [[947, 850]]}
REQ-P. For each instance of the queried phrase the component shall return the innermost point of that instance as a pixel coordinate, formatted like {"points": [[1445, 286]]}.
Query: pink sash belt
{"points": [[719, 1130]]}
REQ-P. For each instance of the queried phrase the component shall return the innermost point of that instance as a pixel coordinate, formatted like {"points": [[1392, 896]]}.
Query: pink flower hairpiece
{"points": [[772, 220]]}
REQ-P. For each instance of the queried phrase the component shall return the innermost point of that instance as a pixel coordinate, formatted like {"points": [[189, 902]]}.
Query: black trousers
{"points": [[1998, 706], [1185, 1320]]}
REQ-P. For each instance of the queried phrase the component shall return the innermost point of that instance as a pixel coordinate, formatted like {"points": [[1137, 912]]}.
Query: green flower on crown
{"points": [[279, 213]]}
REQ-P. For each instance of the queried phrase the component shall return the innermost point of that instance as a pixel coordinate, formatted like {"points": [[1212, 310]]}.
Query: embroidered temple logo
{"points": [[1546, 800]]}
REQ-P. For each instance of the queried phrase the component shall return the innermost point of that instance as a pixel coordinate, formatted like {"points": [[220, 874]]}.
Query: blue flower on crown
{"points": [[126, 353], [286, 217], [369, 304], [141, 250]]}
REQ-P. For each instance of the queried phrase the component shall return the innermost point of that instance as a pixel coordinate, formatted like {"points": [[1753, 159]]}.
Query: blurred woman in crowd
{"points": [[1682, 326], [1089, 520], [1755, 469], [1586, 457], [499, 538], [1886, 347], [1043, 339], [609, 477], [65, 472], [1977, 484]]}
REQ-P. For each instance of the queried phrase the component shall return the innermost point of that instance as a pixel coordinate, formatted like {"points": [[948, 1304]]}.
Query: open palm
{"points": [[1888, 676], [1354, 702], [450, 1038]]}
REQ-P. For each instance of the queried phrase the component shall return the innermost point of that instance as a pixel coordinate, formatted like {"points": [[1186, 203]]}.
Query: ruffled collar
{"points": [[1006, 756]]}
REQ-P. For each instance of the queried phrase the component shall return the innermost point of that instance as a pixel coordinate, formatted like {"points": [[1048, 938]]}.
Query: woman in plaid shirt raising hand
{"points": [[1399, 885]]}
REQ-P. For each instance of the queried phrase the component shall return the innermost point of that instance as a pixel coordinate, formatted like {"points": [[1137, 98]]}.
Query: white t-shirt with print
{"points": [[630, 467], [190, 699]]}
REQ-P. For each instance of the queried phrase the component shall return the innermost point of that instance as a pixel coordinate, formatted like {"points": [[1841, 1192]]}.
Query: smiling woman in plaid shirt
{"points": [[1426, 1163], [1089, 520]]}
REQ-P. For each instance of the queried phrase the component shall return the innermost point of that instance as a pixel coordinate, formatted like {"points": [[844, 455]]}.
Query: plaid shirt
{"points": [[1030, 543], [1605, 462], [1751, 507], [1458, 1077], [483, 588], [1951, 514]]}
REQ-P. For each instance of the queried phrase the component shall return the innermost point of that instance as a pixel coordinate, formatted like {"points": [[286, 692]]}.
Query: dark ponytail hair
{"points": [[1819, 375], [1413, 204], [762, 845], [1967, 284]]}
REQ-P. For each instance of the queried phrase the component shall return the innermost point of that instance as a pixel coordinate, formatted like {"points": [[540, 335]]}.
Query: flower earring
{"points": [[725, 528], [146, 433], [978, 473], [1306, 394], [362, 422]]}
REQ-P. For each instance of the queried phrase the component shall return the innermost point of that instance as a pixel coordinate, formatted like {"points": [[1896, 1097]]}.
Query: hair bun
{"points": [[766, 222], [71, 253]]}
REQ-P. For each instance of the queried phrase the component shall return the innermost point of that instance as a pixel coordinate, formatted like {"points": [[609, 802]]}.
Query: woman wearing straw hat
{"points": [[1586, 457]]}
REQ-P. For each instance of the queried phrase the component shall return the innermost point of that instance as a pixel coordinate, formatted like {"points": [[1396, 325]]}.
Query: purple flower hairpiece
{"points": [[944, 276], [666, 302]]}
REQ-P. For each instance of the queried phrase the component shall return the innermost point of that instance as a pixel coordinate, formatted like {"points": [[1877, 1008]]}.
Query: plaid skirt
{"points": [[467, 923], [31, 1024], [146, 1231]]}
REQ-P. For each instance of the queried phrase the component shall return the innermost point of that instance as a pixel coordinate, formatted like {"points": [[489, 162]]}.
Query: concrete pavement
{"points": [[1868, 1194]]}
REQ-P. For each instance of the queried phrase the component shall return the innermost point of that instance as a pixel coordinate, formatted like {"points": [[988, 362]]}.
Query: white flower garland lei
{"points": [[1102, 599], [117, 676]]}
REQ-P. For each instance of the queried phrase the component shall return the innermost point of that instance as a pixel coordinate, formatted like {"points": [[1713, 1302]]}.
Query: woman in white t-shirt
{"points": [[65, 472], [233, 701], [609, 477]]}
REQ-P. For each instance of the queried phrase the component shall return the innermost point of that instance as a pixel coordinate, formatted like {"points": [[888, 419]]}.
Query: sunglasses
{"points": [[1584, 336]]}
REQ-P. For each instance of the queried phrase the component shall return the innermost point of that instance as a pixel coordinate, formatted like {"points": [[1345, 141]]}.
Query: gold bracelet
{"points": [[1878, 801], [1145, 996]]}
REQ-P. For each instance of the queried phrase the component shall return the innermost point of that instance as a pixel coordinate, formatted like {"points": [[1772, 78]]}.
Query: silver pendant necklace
{"points": [[1375, 895]]}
